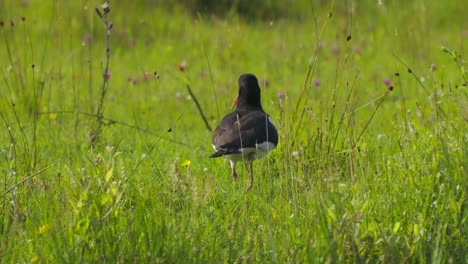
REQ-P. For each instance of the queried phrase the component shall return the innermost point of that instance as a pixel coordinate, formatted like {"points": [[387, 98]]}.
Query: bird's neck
{"points": [[249, 107], [251, 104]]}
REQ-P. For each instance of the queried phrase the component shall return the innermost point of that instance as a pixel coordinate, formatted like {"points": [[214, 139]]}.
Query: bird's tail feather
{"points": [[222, 152]]}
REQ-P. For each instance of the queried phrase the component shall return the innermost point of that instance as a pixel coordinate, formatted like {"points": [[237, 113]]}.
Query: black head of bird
{"points": [[249, 96]]}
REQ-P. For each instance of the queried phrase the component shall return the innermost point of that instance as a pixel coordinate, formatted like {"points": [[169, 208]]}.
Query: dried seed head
{"points": [[182, 66], [106, 8], [146, 76], [98, 12]]}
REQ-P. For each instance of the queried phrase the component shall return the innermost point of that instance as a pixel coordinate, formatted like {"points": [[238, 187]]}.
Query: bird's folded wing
{"points": [[237, 131]]}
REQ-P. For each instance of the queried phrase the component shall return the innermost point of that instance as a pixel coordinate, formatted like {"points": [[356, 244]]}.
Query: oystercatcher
{"points": [[248, 133]]}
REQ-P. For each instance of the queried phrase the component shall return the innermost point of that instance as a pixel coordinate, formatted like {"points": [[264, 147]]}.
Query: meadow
{"points": [[104, 155]]}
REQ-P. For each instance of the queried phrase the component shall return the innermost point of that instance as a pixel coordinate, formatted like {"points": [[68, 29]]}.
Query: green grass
{"points": [[361, 174]]}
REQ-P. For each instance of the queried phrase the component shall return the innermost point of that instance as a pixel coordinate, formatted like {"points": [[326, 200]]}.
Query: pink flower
{"points": [[281, 95], [387, 81], [87, 38], [317, 82], [107, 75], [357, 50], [335, 49]]}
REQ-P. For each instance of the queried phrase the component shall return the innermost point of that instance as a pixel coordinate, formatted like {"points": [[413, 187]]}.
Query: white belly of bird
{"points": [[252, 153]]}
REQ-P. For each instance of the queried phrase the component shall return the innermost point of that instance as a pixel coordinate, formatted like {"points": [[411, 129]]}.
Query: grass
{"points": [[361, 174]]}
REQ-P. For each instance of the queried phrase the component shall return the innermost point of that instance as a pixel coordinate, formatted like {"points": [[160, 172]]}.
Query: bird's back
{"points": [[243, 129]]}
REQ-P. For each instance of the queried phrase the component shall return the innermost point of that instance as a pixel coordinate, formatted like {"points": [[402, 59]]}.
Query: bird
{"points": [[248, 133]]}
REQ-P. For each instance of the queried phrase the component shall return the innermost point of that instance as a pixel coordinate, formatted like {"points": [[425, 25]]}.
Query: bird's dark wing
{"points": [[243, 129]]}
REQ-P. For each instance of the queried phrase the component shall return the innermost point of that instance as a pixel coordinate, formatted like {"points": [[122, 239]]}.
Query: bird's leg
{"points": [[233, 169], [234, 174], [251, 175]]}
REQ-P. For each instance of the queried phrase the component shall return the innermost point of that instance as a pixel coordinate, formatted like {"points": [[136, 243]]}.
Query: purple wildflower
{"points": [[87, 38], [387, 81], [107, 75], [281, 95]]}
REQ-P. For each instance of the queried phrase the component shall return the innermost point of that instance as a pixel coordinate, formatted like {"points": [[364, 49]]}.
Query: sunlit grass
{"points": [[371, 165]]}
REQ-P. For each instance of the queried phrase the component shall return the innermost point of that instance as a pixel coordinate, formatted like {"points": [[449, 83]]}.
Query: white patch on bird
{"points": [[258, 152], [271, 121], [232, 163], [264, 148]]}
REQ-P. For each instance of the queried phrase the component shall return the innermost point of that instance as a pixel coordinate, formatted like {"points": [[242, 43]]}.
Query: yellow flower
{"points": [[43, 229], [186, 163], [53, 116]]}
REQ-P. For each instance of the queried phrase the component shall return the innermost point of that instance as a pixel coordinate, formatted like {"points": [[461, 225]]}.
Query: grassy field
{"points": [[370, 99]]}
